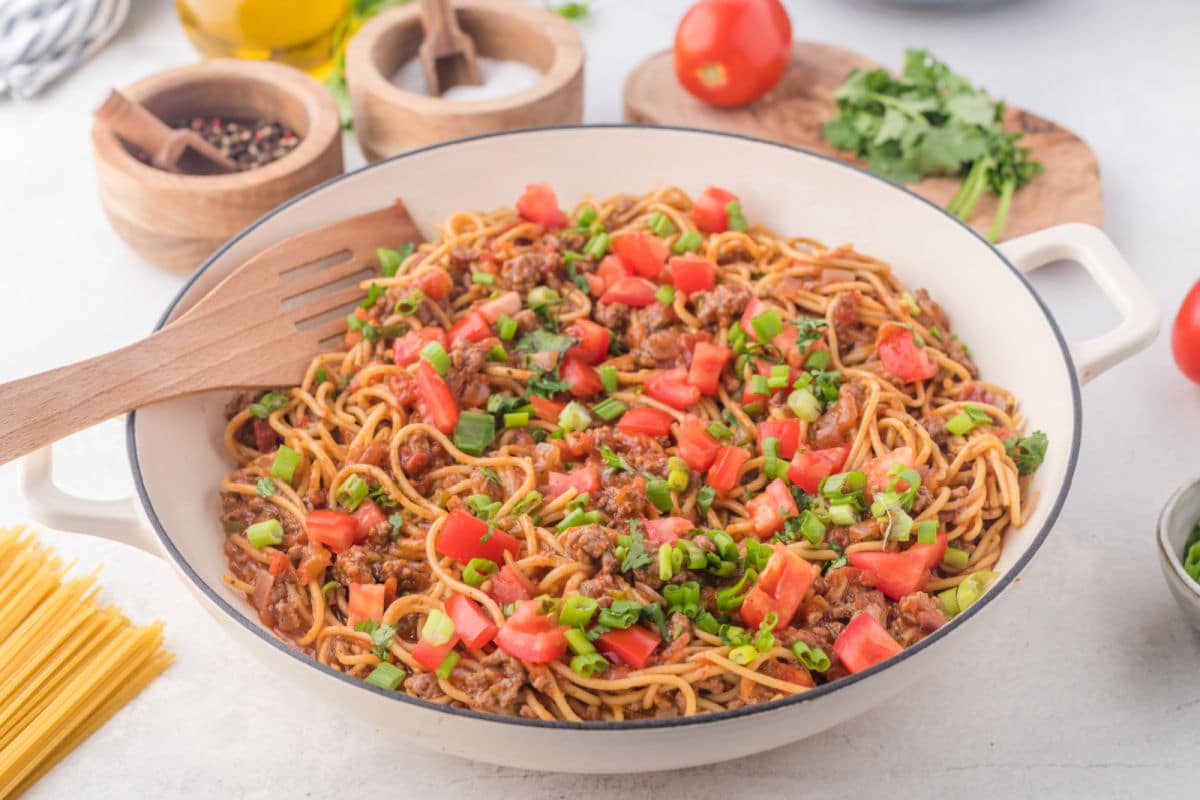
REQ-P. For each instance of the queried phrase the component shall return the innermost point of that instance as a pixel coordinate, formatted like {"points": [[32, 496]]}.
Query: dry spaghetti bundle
{"points": [[67, 663]]}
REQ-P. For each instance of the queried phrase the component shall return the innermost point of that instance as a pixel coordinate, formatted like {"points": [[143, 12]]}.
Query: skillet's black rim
{"points": [[699, 719]]}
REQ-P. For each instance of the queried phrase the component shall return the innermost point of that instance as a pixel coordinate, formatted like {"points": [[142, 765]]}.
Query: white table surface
{"points": [[1084, 682]]}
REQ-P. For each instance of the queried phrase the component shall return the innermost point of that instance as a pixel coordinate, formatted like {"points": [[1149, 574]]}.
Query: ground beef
{"points": [[836, 425], [423, 685], [641, 452], [662, 350], [373, 453], [411, 576], [282, 610], [418, 456], [612, 315], [528, 270], [355, 565], [935, 426], [722, 305], [655, 316], [914, 617], [466, 377], [497, 686], [931, 313], [586, 543], [240, 511], [602, 585], [623, 496], [845, 312]]}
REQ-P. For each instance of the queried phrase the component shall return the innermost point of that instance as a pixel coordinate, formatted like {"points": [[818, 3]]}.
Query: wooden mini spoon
{"points": [[260, 327], [134, 124], [447, 54]]}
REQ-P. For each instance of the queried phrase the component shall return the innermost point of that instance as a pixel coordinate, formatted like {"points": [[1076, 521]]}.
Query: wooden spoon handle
{"points": [[41, 409], [133, 123], [437, 17]]}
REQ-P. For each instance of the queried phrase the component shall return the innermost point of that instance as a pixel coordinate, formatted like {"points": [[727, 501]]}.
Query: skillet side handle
{"points": [[116, 520], [1092, 249]]}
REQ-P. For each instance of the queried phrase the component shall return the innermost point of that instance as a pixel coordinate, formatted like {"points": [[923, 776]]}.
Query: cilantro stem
{"points": [[1006, 195], [899, 105]]}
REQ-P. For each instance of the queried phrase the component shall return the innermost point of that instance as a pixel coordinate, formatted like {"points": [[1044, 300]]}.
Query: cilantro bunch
{"points": [[932, 121]]}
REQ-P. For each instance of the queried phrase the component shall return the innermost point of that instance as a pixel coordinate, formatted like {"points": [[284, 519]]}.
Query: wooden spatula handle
{"points": [[41, 409], [441, 26]]}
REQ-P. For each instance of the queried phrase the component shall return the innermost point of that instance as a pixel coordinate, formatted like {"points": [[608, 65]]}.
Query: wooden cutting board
{"points": [[795, 111]]}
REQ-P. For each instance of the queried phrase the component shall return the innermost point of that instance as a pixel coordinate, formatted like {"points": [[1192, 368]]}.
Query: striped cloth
{"points": [[42, 39]]}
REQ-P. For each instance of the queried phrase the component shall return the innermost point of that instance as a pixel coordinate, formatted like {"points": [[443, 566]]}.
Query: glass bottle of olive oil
{"points": [[295, 32]]}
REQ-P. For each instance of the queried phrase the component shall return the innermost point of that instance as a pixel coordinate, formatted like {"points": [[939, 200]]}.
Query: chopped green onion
{"points": [[609, 409], [608, 377], [586, 216], [352, 492], [284, 465], [438, 628], [578, 640], [677, 479], [665, 294], [683, 598], [577, 610], [949, 600], [843, 515], [666, 562], [528, 503], [506, 327], [689, 242], [743, 654], [767, 325], [325, 587], [804, 405], [937, 334], [597, 246], [485, 278], [407, 306], [737, 338], [270, 402], [705, 496], [973, 587], [759, 385], [779, 377], [390, 260], [811, 527], [692, 556], [900, 525], [372, 295], [818, 360], [497, 353], [659, 494], [353, 323], [574, 417], [477, 570], [927, 531], [474, 432], [813, 658], [265, 487], [959, 424], [661, 224], [757, 554], [267, 532], [803, 381], [844, 483], [731, 597], [517, 419], [719, 430], [706, 622], [387, 676], [596, 227], [579, 517], [735, 221], [448, 664], [773, 465], [542, 296], [436, 355], [589, 664], [956, 560], [911, 302]]}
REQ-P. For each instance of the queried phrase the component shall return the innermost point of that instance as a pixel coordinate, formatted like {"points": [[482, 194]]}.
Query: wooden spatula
{"points": [[447, 54], [260, 327], [166, 146]]}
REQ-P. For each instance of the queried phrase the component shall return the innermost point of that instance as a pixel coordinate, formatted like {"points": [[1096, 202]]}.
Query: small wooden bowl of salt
{"points": [[530, 61]]}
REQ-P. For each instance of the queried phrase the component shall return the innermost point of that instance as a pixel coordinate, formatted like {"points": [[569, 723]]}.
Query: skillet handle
{"points": [[116, 520], [1092, 249]]}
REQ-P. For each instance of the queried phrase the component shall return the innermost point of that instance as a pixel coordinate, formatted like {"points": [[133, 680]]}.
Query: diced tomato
{"points": [[508, 303], [593, 341], [462, 536], [900, 355], [671, 387], [696, 446], [539, 204], [438, 403], [596, 284], [532, 636], [612, 268], [693, 274], [507, 586], [666, 530], [645, 253], [278, 562], [879, 469], [809, 467], [407, 348], [473, 625], [582, 479], [581, 380], [630, 290], [366, 602], [334, 529], [367, 517], [723, 473], [901, 573], [755, 307], [633, 645], [709, 212], [473, 327], [546, 409], [786, 431], [708, 361], [430, 656], [771, 508], [780, 588], [864, 643], [650, 421], [434, 284]]}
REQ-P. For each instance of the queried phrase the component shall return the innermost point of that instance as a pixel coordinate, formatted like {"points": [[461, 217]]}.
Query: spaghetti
{"points": [[67, 664], [647, 460]]}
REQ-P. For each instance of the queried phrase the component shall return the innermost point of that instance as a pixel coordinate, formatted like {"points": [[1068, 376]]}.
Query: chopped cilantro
{"points": [[265, 487], [636, 555], [1027, 452], [613, 459]]}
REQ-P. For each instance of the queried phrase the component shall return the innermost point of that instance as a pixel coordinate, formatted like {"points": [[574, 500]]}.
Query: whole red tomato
{"points": [[730, 52], [1185, 336]]}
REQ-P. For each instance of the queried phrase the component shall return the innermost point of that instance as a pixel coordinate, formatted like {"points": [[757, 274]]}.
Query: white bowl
{"points": [[178, 460], [1175, 524]]}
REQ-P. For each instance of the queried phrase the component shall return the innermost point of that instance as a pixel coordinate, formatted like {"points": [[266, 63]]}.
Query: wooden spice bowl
{"points": [[178, 220], [390, 120]]}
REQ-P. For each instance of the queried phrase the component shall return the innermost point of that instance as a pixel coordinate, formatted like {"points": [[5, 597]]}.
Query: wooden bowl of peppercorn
{"points": [[278, 124]]}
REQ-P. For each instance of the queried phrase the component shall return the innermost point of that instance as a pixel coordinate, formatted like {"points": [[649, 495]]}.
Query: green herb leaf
{"points": [[541, 340], [636, 555], [1028, 452]]}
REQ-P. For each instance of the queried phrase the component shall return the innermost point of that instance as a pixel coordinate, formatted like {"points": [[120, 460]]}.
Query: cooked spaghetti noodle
{"points": [[645, 461], [67, 664]]}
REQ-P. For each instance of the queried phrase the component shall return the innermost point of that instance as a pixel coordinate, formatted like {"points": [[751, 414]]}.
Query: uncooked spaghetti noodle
{"points": [[641, 461], [67, 663]]}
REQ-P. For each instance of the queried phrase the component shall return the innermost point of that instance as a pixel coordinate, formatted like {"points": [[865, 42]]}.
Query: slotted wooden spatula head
{"points": [[291, 300]]}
